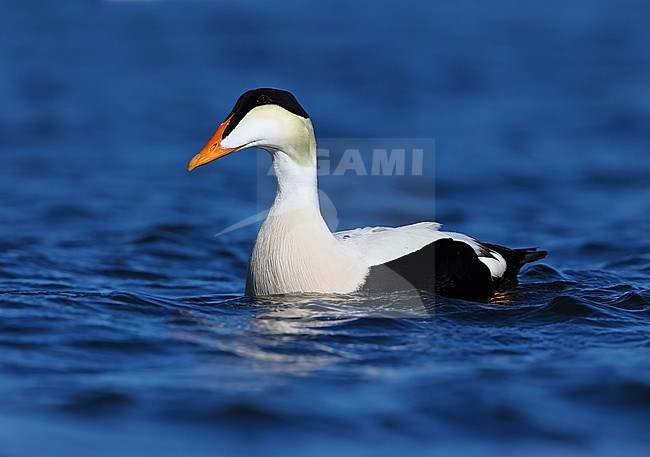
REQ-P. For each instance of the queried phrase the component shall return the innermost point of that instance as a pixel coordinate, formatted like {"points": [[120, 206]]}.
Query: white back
{"points": [[378, 245]]}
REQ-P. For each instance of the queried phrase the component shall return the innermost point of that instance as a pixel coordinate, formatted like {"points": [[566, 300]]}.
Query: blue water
{"points": [[123, 329]]}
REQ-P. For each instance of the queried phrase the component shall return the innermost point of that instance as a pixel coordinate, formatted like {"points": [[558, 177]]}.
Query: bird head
{"points": [[269, 119]]}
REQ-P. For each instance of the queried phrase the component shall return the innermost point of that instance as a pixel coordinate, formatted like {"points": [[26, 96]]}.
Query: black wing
{"points": [[450, 269]]}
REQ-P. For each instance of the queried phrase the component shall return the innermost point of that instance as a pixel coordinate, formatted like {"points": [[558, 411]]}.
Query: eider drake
{"points": [[295, 252]]}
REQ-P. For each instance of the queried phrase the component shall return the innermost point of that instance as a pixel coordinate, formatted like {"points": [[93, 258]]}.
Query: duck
{"points": [[296, 253]]}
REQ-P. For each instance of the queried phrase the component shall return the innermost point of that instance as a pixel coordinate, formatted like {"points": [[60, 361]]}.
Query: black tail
{"points": [[515, 259]]}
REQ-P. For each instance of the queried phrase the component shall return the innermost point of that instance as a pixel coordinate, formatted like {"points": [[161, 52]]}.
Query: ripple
{"points": [[131, 274], [95, 402], [633, 394], [164, 233], [570, 306]]}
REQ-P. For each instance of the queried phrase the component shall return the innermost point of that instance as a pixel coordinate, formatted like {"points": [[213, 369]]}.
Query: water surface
{"points": [[123, 329]]}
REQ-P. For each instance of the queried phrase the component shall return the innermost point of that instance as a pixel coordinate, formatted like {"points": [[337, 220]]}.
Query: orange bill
{"points": [[212, 149]]}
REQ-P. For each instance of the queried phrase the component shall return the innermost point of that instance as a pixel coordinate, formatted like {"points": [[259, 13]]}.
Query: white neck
{"points": [[295, 251], [297, 186]]}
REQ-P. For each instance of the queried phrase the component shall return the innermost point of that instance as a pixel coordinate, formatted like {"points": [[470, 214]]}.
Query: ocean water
{"points": [[123, 325]]}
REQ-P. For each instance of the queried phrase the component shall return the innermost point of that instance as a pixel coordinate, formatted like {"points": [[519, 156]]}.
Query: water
{"points": [[123, 330]]}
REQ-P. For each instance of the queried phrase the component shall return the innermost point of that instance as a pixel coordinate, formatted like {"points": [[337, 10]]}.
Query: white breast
{"points": [[297, 253]]}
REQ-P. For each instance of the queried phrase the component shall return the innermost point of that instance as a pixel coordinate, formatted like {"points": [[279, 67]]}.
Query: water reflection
{"points": [[301, 334]]}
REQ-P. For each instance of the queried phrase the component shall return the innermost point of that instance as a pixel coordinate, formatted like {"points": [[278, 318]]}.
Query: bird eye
{"points": [[263, 99]]}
